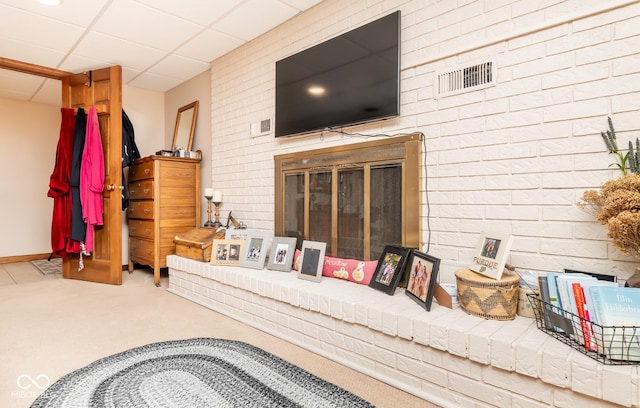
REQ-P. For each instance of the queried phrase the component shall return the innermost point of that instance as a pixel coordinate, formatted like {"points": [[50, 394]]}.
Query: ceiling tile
{"points": [[209, 45], [41, 31], [206, 12], [301, 4], [155, 82], [18, 85], [158, 43], [254, 17], [180, 68], [76, 12], [112, 50], [50, 93], [21, 51], [136, 22]]}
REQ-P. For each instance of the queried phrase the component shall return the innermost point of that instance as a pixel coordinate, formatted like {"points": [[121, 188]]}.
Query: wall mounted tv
{"points": [[350, 79]]}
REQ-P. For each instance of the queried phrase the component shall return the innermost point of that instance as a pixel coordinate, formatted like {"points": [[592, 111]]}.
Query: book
{"points": [[586, 335], [618, 309], [567, 295], [554, 298], [546, 301]]}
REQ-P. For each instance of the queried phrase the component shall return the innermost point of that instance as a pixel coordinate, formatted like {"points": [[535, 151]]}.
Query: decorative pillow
{"points": [[348, 269]]}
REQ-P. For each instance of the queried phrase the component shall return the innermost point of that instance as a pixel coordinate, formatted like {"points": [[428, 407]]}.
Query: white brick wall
{"points": [[445, 356], [512, 158]]}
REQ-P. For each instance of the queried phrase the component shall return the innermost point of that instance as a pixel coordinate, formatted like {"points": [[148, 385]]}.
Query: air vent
{"points": [[265, 126], [469, 78], [260, 128]]}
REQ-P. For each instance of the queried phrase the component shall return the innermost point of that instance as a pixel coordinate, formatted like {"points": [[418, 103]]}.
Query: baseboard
{"points": [[34, 257], [23, 258]]}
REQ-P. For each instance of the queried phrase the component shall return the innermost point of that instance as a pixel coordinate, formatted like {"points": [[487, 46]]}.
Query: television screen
{"points": [[350, 79]]}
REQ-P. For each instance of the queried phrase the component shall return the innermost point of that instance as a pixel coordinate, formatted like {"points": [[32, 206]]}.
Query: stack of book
{"points": [[596, 314]]}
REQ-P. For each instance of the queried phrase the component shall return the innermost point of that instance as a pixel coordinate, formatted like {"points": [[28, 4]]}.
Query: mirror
{"points": [[185, 126]]}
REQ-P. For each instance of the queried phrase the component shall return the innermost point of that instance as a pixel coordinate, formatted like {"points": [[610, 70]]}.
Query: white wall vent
{"points": [[469, 78]]}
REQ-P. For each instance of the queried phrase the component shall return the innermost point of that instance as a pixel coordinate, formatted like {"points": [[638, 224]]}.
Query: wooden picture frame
{"points": [[423, 275], [226, 252], [312, 260], [281, 254], [390, 269], [490, 255], [255, 250]]}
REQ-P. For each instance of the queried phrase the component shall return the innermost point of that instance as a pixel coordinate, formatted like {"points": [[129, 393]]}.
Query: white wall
{"points": [[29, 135], [511, 158]]}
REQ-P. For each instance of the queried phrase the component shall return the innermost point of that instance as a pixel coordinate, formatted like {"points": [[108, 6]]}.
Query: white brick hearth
{"points": [[444, 356]]}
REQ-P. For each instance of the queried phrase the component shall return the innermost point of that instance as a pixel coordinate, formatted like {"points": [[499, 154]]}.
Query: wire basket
{"points": [[612, 345]]}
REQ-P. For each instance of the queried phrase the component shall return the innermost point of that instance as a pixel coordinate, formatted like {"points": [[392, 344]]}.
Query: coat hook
{"points": [[89, 75]]}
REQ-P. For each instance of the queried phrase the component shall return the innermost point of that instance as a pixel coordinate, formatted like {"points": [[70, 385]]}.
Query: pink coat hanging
{"points": [[92, 177]]}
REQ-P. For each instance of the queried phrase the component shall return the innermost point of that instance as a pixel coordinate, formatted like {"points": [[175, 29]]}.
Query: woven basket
{"points": [[488, 298]]}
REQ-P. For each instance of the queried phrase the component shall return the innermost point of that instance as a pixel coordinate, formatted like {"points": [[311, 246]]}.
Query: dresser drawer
{"points": [[141, 190], [141, 250], [141, 228], [140, 209], [141, 171]]}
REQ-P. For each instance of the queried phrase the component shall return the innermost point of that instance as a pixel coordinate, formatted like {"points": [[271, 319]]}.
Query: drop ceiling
{"points": [[159, 43]]}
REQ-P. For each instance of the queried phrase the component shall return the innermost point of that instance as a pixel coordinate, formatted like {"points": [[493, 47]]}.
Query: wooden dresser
{"points": [[164, 201]]}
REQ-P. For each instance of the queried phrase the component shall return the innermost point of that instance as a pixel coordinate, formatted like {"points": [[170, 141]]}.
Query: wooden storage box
{"points": [[196, 244], [486, 297]]}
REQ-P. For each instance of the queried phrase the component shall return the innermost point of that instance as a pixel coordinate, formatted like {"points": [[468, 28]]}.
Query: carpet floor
{"points": [[53, 326], [192, 373]]}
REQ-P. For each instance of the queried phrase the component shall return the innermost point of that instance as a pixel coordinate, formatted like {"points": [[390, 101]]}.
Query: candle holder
{"points": [[217, 223], [209, 223]]}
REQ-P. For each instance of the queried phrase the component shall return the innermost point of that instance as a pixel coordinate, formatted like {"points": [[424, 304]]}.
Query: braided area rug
{"points": [[199, 372]]}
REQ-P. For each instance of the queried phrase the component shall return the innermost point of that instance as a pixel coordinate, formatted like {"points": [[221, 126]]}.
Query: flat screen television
{"points": [[350, 79]]}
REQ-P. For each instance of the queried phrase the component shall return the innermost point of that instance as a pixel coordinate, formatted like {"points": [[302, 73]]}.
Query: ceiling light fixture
{"points": [[50, 2]]}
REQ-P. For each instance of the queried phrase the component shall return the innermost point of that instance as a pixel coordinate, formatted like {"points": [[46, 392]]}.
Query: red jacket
{"points": [[59, 187]]}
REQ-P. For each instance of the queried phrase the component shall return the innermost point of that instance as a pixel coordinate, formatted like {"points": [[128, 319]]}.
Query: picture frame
{"points": [[312, 260], [226, 252], [240, 233], [281, 254], [490, 255], [390, 269], [423, 276], [255, 250]]}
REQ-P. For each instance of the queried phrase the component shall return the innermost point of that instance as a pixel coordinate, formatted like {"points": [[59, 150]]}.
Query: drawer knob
{"points": [[147, 171], [147, 211]]}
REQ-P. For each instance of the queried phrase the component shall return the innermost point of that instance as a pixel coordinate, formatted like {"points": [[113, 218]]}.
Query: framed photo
{"points": [[281, 255], [239, 233], [312, 260], [491, 254], [390, 269], [423, 275], [255, 250], [226, 251]]}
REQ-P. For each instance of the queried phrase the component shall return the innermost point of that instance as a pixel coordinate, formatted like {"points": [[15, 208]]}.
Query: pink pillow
{"points": [[348, 269]]}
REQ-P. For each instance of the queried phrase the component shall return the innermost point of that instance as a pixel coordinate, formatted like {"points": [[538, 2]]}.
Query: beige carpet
{"points": [[54, 326]]}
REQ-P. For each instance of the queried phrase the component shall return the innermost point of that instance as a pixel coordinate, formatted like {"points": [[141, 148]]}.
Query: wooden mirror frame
{"points": [[185, 126]]}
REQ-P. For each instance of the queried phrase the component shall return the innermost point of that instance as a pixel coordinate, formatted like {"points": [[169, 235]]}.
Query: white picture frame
{"points": [[240, 233], [312, 260], [281, 254], [490, 255], [256, 247]]}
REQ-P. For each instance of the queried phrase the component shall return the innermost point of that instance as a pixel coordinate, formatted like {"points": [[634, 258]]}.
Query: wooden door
{"points": [[103, 89]]}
